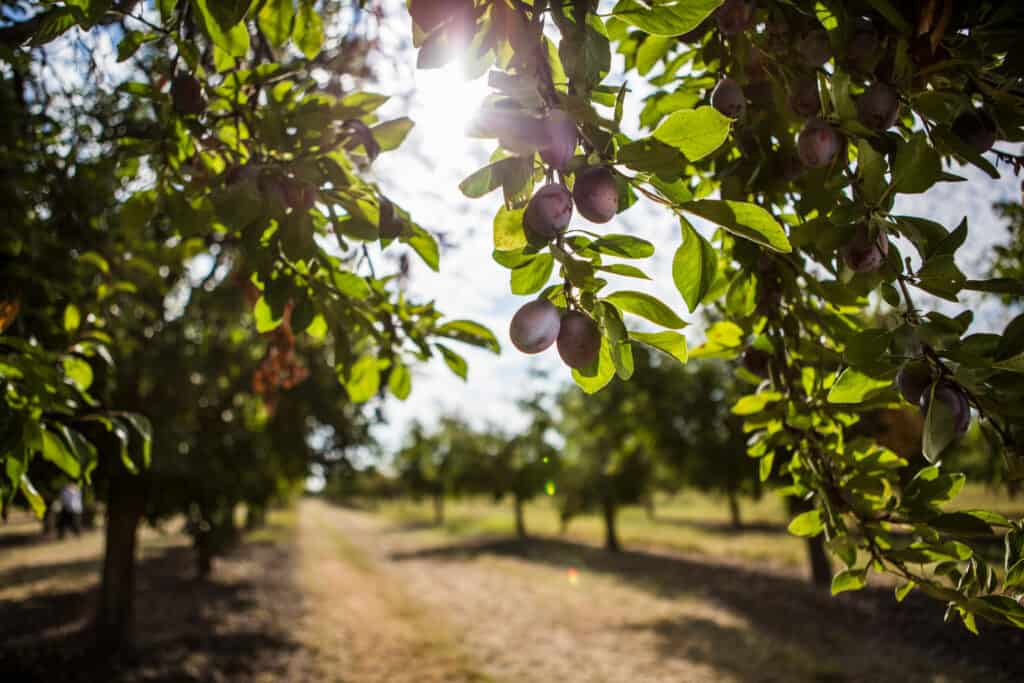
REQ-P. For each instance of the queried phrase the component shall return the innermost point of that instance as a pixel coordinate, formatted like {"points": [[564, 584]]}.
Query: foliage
{"points": [[807, 237]]}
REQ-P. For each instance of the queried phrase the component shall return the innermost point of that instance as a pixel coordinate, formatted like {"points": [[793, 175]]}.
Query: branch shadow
{"points": [[783, 609]]}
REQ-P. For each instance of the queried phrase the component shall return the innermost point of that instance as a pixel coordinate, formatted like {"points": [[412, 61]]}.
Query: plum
{"points": [[879, 106], [814, 48], [756, 361], [862, 254], [804, 99], [977, 129], [596, 194], [549, 211], [429, 14], [299, 194], [728, 98], [818, 144], [955, 401], [735, 16], [390, 225], [579, 340], [864, 47], [535, 326], [187, 96], [914, 377], [560, 139]]}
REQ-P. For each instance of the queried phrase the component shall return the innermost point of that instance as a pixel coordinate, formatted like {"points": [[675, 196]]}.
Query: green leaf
{"points": [[665, 18], [400, 381], [508, 229], [131, 42], [78, 371], [56, 451], [917, 166], [741, 218], [1012, 364], [622, 246], [456, 363], [904, 590], [848, 580], [35, 501], [647, 306], [233, 39], [672, 343], [694, 267], [470, 332], [72, 318], [493, 176], [625, 270], [532, 275], [265, 320], [424, 244], [939, 429], [309, 30], [364, 379], [855, 387], [806, 524], [593, 379], [694, 132], [275, 20], [143, 427], [390, 134]]}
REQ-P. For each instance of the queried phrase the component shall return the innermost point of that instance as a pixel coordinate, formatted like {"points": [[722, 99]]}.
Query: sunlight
{"points": [[445, 104]]}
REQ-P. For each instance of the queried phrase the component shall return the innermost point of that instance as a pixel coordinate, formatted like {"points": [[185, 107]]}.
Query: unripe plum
{"points": [[955, 400], [429, 14], [728, 98], [977, 129], [804, 100], [560, 133], [187, 96], [863, 254], [549, 211], [390, 225], [879, 106], [814, 48], [756, 361], [863, 49], [818, 144], [535, 326], [913, 379], [596, 194], [735, 16], [579, 340]]}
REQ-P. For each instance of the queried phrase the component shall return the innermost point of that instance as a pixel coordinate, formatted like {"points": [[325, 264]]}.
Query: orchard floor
{"points": [[332, 594]]}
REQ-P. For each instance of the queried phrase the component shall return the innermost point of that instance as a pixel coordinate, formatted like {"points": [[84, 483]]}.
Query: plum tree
{"points": [[866, 251], [560, 139], [734, 16], [818, 143], [596, 194], [804, 99], [728, 98], [579, 340], [535, 326], [913, 378], [549, 211], [977, 129], [879, 106], [756, 361]]}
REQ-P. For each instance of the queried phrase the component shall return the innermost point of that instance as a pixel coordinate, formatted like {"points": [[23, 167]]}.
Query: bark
{"points": [[611, 537], [115, 613], [734, 510], [821, 567], [649, 508], [438, 509], [520, 520]]}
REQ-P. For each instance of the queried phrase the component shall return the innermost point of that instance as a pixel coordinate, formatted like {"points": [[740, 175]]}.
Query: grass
{"points": [[690, 522]]}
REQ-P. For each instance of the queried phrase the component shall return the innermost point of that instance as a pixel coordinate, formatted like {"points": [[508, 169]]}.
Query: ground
{"points": [[334, 594]]}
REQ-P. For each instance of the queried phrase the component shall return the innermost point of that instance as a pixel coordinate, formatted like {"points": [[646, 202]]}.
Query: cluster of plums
{"points": [[915, 379], [539, 324], [595, 194]]}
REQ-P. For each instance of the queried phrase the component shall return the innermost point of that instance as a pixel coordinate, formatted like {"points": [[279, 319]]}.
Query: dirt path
{"points": [[407, 604]]}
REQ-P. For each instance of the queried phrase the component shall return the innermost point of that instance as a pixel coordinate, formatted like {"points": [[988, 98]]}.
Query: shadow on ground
{"points": [[724, 528], [785, 609], [187, 629]]}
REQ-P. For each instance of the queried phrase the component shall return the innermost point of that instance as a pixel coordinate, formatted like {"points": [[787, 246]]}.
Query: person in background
{"points": [[70, 515]]}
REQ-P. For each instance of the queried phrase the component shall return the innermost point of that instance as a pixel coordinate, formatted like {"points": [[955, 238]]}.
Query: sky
{"points": [[424, 179]]}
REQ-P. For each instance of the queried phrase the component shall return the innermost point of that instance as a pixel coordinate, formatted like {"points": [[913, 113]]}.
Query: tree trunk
{"points": [[821, 568], [611, 538], [734, 510], [649, 507], [115, 613], [520, 520], [438, 509]]}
